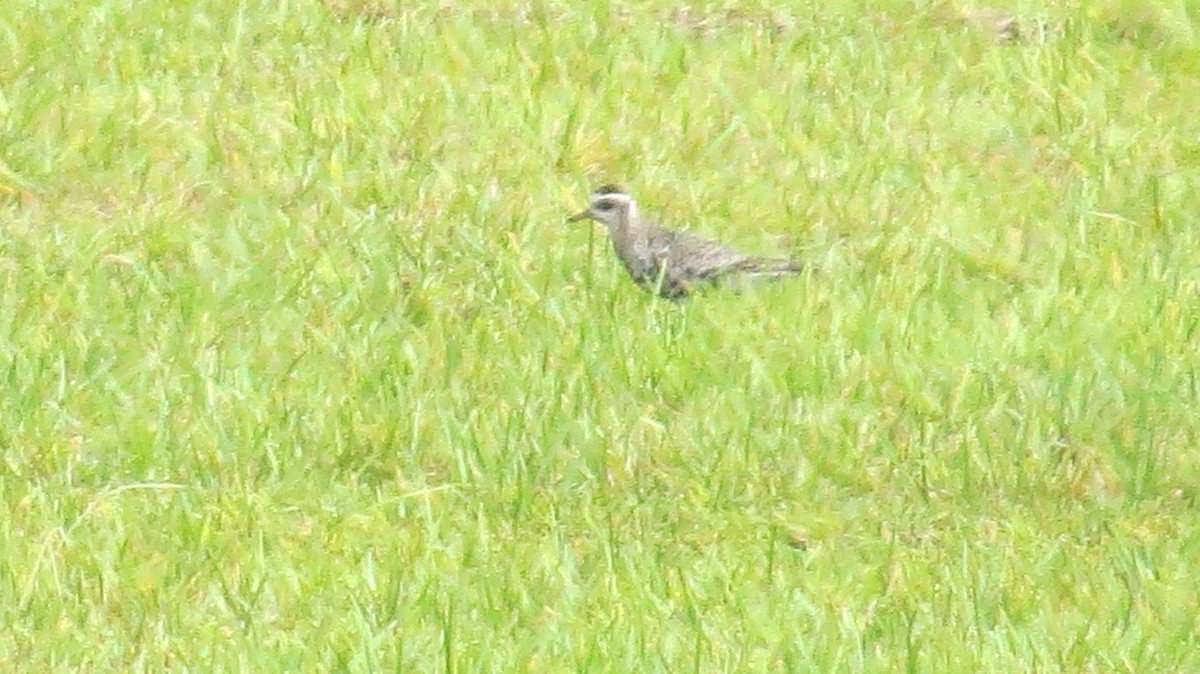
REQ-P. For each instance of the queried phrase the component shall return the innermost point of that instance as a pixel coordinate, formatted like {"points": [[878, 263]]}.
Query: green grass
{"points": [[303, 371]]}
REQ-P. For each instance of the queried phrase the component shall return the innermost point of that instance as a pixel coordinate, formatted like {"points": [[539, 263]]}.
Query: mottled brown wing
{"points": [[693, 258]]}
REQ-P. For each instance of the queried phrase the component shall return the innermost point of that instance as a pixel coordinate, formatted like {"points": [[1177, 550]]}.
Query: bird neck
{"points": [[624, 225]]}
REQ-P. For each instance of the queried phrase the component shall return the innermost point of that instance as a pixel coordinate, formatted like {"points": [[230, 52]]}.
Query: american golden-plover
{"points": [[669, 262]]}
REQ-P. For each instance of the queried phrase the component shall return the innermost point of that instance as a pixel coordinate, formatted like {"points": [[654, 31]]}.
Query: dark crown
{"points": [[609, 188]]}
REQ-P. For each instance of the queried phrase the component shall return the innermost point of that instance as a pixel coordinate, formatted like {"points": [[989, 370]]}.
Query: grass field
{"points": [[303, 370]]}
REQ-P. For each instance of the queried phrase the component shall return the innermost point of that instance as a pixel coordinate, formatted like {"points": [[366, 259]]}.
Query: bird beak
{"points": [[583, 215]]}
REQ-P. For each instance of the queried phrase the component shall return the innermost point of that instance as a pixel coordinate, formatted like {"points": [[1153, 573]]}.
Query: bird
{"points": [[668, 262]]}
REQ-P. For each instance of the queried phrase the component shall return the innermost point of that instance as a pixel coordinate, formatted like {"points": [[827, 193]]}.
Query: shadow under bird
{"points": [[669, 262]]}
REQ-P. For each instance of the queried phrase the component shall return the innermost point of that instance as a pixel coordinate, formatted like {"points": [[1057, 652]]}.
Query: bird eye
{"points": [[604, 206]]}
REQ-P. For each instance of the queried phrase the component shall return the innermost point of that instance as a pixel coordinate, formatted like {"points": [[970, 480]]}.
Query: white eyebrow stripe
{"points": [[623, 199]]}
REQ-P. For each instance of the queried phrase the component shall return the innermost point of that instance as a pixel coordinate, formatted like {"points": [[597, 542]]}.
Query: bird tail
{"points": [[771, 268]]}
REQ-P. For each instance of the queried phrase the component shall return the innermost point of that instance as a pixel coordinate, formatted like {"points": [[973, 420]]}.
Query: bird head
{"points": [[609, 205]]}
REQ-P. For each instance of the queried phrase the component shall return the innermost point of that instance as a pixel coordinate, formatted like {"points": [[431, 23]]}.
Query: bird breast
{"points": [[635, 251]]}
